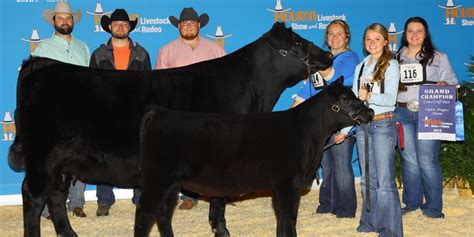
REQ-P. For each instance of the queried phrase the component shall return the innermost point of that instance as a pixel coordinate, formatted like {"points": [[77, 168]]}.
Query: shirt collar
{"points": [[61, 39], [198, 41]]}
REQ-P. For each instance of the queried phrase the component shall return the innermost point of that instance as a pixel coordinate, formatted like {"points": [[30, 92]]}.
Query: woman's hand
{"points": [[441, 83], [340, 137], [364, 94]]}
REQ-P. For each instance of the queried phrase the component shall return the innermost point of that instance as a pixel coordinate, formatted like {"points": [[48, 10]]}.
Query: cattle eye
{"points": [[346, 99]]}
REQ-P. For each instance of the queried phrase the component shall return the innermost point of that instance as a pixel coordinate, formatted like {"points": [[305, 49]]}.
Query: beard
{"points": [[189, 36], [64, 29], [119, 35]]}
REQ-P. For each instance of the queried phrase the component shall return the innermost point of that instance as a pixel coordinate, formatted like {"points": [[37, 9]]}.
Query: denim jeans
{"points": [[385, 215], [75, 196], [421, 171], [105, 195], [337, 193], [188, 195]]}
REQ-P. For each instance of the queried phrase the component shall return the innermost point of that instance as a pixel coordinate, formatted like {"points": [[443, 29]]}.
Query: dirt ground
{"points": [[253, 217]]}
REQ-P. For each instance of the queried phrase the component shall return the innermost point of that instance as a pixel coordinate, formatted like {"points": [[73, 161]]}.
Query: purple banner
{"points": [[436, 115]]}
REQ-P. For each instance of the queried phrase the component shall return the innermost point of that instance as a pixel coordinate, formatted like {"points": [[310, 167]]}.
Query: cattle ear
{"points": [[278, 24], [339, 81]]}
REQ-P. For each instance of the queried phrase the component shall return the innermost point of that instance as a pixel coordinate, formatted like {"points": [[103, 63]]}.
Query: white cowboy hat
{"points": [[61, 7]]}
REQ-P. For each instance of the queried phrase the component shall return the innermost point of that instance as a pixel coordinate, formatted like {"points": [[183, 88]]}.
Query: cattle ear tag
{"points": [[335, 108]]}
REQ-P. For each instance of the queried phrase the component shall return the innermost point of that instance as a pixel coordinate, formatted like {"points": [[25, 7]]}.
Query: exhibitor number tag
{"points": [[411, 73], [317, 80], [368, 81]]}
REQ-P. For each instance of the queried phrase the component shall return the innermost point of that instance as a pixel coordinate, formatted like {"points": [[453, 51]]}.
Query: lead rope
{"points": [[367, 172], [366, 151]]}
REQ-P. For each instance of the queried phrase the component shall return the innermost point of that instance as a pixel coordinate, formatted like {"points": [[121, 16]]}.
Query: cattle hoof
{"points": [[214, 231]]}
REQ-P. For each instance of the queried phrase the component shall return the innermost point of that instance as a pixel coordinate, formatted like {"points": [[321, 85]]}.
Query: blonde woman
{"points": [[376, 82]]}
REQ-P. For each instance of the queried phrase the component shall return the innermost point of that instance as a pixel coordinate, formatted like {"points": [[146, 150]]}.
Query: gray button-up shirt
{"points": [[439, 70]]}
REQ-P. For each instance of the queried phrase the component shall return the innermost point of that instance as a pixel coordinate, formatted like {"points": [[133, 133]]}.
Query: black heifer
{"points": [[229, 155], [78, 122]]}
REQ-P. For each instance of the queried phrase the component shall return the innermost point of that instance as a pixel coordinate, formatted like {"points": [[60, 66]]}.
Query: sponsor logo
{"points": [[34, 40], [149, 25], [98, 13], [452, 14], [305, 19], [8, 128], [393, 37], [219, 37]]}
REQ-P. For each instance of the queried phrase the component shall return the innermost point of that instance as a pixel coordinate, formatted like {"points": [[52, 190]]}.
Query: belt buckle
{"points": [[413, 106]]}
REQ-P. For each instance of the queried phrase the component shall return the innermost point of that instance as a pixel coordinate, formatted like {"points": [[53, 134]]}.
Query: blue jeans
{"points": [[385, 216], [75, 196], [421, 171], [105, 195], [337, 193], [188, 195]]}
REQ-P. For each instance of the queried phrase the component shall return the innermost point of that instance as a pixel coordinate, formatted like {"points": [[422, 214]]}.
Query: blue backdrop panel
{"points": [[242, 21]]}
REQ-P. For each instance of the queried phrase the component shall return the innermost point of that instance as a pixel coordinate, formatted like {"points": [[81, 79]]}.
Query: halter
{"points": [[283, 52], [352, 114]]}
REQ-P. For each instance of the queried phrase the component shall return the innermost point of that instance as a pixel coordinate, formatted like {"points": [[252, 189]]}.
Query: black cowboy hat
{"points": [[189, 14], [118, 15]]}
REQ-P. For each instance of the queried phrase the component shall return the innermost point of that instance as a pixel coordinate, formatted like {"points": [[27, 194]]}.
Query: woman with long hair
{"points": [[422, 178], [376, 83], [337, 193]]}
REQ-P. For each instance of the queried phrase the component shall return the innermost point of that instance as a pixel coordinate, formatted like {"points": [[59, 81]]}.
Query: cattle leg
{"points": [[165, 213], [151, 201], [217, 217], [57, 208], [33, 203], [145, 214], [286, 200]]}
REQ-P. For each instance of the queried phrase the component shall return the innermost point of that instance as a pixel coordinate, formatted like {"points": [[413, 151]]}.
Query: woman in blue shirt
{"points": [[337, 193], [422, 176]]}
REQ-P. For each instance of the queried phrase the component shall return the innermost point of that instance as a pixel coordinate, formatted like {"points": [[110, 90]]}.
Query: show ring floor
{"points": [[252, 217]]}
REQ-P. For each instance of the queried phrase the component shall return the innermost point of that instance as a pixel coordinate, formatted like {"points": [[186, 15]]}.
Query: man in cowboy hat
{"points": [[120, 53], [189, 48], [62, 46]]}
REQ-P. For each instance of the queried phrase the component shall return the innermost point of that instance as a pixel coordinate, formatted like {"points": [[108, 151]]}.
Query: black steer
{"points": [[78, 122], [229, 155]]}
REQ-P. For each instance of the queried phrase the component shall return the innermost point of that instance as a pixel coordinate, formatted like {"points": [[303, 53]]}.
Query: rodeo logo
{"points": [[98, 14], [9, 129], [219, 37], [452, 13], [393, 37], [300, 19], [34, 40]]}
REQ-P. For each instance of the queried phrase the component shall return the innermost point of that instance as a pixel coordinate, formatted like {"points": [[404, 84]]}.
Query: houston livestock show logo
{"points": [[8, 127], [34, 40], [393, 37], [98, 13], [219, 37], [452, 13], [308, 19]]}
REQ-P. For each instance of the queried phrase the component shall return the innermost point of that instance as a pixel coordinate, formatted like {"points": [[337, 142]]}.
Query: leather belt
{"points": [[388, 115], [402, 104]]}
